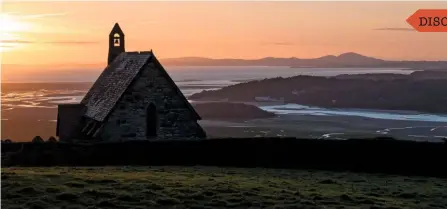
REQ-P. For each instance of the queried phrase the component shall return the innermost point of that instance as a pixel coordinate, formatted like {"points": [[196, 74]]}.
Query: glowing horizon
{"points": [[76, 33]]}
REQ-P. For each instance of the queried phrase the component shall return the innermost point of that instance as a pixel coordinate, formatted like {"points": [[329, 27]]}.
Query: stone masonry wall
{"points": [[128, 119]]}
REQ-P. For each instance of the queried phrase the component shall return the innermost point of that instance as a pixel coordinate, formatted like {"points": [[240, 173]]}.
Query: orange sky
{"points": [[75, 33]]}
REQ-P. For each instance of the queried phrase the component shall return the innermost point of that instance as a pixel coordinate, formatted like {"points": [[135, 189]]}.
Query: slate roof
{"points": [[113, 82]]}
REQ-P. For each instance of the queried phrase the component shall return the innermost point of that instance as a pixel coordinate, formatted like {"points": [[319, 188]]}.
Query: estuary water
{"points": [[33, 103], [196, 79]]}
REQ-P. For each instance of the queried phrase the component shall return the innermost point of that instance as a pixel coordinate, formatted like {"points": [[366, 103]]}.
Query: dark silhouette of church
{"points": [[134, 98]]}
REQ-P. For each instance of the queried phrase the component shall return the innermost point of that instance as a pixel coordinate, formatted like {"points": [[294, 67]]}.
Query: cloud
{"points": [[15, 42], [32, 16], [145, 22], [6, 46], [49, 42], [70, 42], [280, 43], [42, 15], [396, 29]]}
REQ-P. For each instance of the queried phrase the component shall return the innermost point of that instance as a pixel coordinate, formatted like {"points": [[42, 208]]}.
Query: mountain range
{"points": [[349, 59]]}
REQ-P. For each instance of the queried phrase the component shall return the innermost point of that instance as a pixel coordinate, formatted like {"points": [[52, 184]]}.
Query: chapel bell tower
{"points": [[116, 43]]}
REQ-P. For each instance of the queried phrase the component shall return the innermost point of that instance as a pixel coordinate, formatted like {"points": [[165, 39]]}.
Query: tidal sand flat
{"points": [[212, 187], [325, 127]]}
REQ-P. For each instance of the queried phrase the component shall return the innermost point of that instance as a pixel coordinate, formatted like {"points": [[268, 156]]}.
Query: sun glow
{"points": [[10, 28]]}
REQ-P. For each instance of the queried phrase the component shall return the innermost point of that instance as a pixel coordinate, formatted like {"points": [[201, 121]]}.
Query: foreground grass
{"points": [[207, 187]]}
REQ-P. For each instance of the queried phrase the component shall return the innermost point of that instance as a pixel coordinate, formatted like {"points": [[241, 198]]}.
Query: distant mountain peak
{"points": [[327, 57], [352, 56]]}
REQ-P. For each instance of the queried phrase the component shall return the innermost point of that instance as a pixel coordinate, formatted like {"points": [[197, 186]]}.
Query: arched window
{"points": [[116, 39], [151, 121]]}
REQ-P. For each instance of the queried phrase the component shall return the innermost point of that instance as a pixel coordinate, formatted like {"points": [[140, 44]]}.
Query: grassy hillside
{"points": [[202, 187]]}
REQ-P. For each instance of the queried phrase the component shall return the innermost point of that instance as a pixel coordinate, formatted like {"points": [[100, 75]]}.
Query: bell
{"points": [[117, 41]]}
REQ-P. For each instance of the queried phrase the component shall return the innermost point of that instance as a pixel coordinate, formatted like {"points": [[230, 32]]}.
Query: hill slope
{"points": [[395, 93], [210, 187]]}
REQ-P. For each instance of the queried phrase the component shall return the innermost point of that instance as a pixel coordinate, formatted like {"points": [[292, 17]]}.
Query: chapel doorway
{"points": [[151, 121]]}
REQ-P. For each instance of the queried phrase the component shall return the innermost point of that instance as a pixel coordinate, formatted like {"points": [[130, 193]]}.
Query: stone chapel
{"points": [[134, 98]]}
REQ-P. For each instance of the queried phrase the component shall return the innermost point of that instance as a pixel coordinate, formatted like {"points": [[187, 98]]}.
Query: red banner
{"points": [[429, 20]]}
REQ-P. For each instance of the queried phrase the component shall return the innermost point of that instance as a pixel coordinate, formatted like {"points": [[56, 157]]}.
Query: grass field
{"points": [[210, 187]]}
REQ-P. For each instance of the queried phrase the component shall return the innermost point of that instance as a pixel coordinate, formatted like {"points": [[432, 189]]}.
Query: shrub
{"points": [[37, 139], [7, 141], [52, 139]]}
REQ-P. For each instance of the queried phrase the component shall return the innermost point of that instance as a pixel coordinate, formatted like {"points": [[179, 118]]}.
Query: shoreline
{"points": [[268, 106], [40, 121]]}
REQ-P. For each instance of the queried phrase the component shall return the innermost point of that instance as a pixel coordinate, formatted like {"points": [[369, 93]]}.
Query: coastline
{"points": [[41, 121], [30, 109]]}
